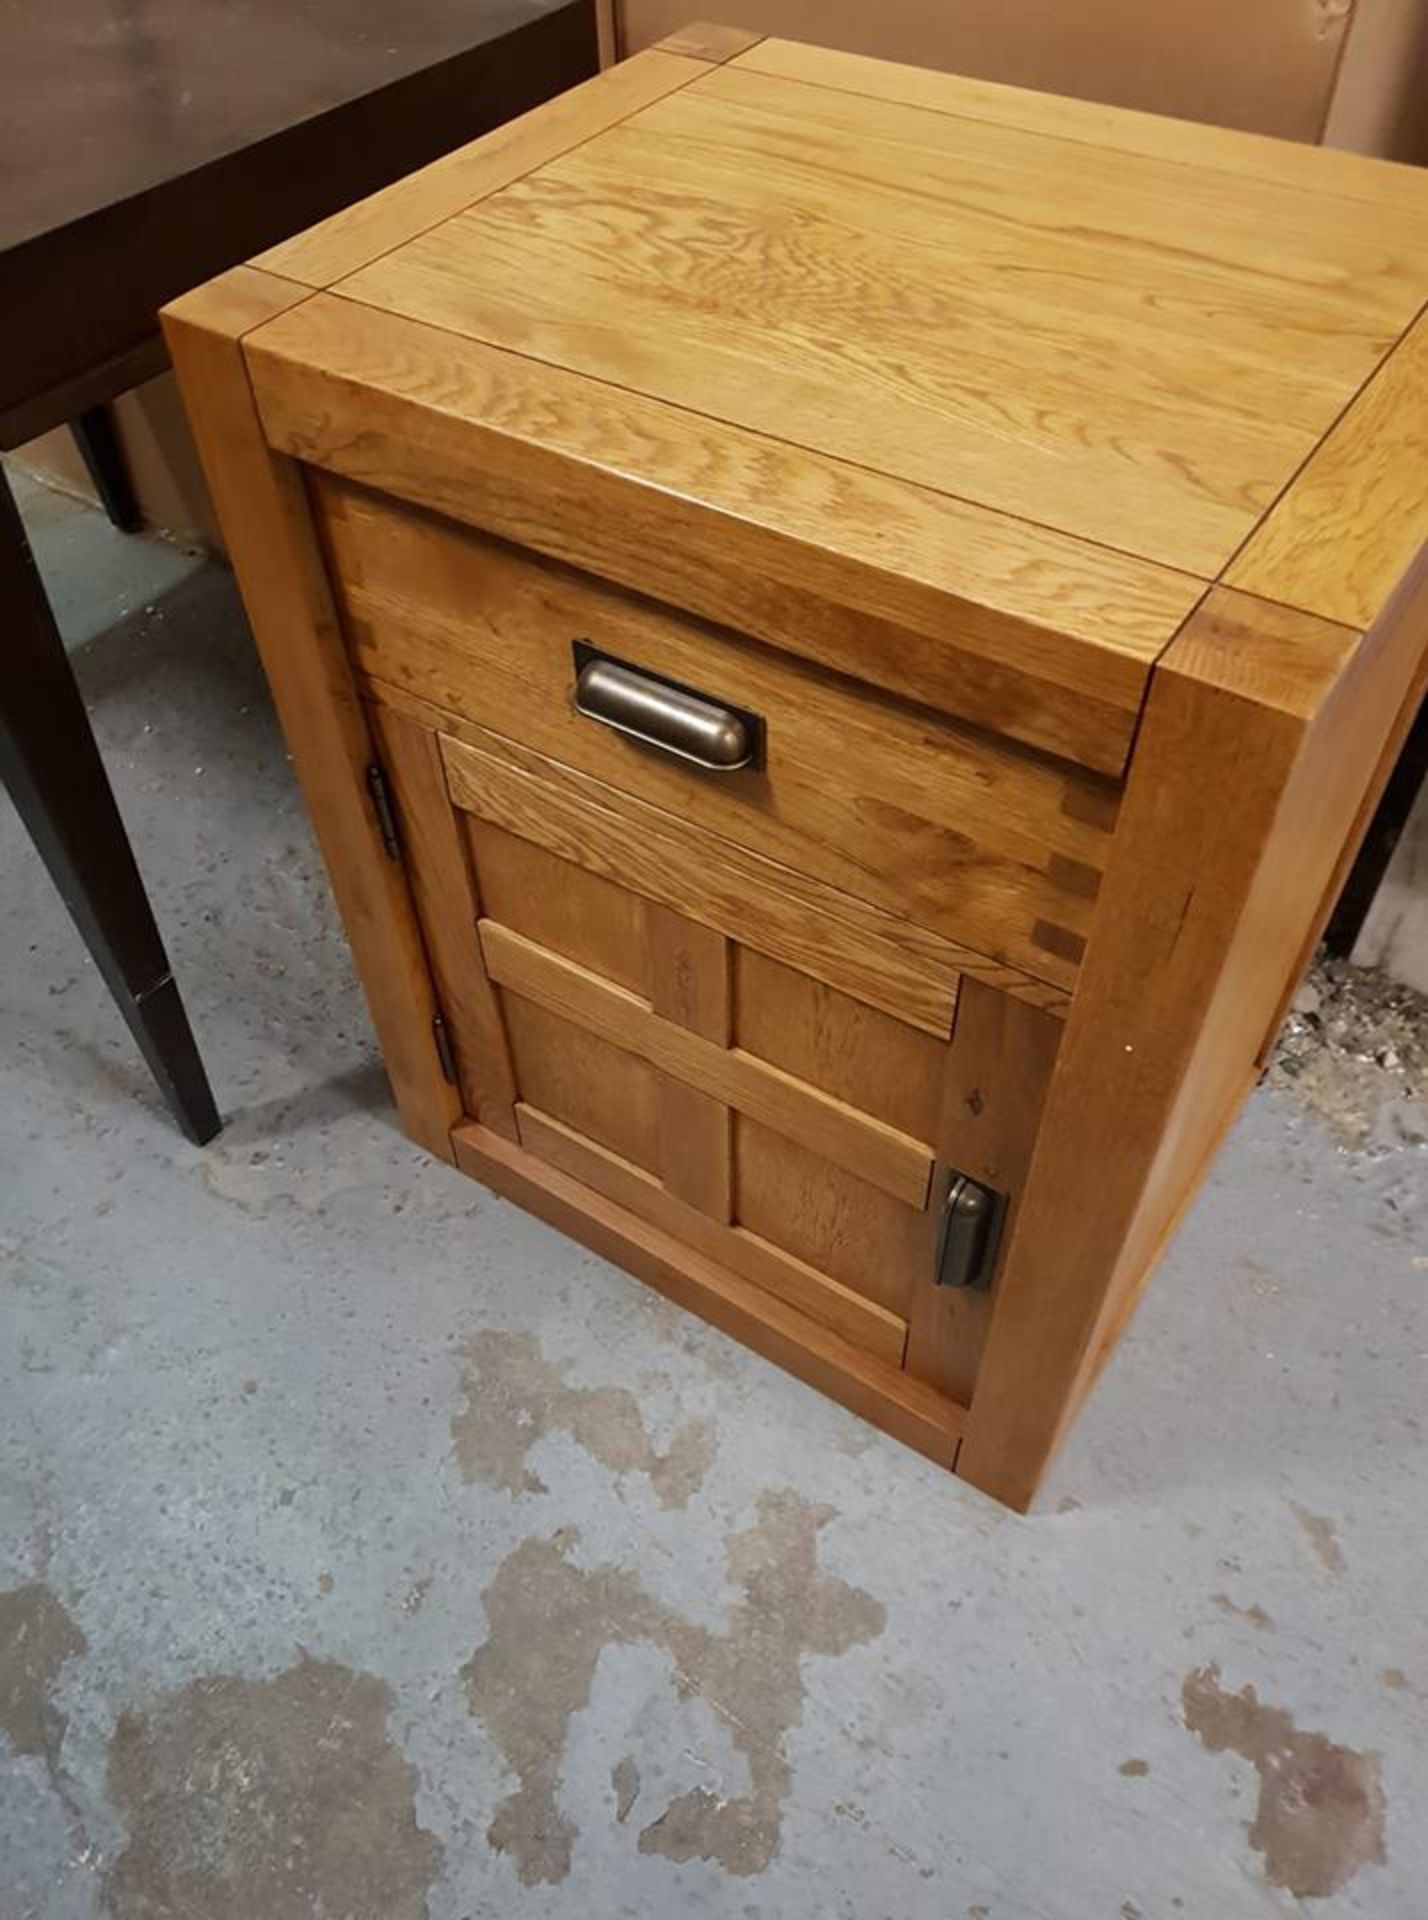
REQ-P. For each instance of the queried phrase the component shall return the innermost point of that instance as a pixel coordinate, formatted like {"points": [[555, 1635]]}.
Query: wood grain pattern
{"points": [[599, 1089], [690, 985], [561, 904], [899, 955], [1122, 130], [858, 1053], [841, 1309], [1032, 633], [833, 1218], [1354, 520], [903, 1407], [359, 233], [982, 842], [436, 861], [1250, 774], [809, 926], [705, 253], [270, 537], [704, 40], [882, 1155], [996, 1074]]}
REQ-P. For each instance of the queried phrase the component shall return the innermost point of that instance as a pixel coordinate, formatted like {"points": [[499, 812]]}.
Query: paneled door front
{"points": [[759, 1071]]}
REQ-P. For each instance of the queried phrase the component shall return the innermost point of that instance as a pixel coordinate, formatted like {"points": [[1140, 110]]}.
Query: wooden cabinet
{"points": [[838, 626]]}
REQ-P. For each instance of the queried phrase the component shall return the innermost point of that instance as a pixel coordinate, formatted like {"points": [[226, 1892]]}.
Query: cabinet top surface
{"points": [[1135, 349], [1173, 352]]}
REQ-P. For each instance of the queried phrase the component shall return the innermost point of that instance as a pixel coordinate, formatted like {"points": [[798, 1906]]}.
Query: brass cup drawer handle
{"points": [[661, 713]]}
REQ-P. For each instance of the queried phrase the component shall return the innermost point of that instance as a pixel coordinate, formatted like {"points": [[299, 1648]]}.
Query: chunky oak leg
{"points": [[261, 501], [1246, 790], [53, 772]]}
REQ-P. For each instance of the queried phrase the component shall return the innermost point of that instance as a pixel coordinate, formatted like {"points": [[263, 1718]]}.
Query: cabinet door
{"points": [[771, 1120], [689, 1061]]}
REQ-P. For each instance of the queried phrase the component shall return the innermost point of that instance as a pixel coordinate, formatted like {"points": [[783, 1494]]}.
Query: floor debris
{"points": [[1354, 1050]]}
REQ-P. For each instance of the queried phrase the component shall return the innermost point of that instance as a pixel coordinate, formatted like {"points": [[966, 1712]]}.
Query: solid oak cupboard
{"points": [[838, 626]]}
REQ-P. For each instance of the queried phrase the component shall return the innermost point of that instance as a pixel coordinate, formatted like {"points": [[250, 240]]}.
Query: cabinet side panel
{"points": [[269, 533], [1263, 731], [1327, 801]]}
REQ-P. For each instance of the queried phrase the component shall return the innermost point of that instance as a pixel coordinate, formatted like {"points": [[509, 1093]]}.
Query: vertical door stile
{"points": [[440, 869], [690, 984], [999, 1064]]}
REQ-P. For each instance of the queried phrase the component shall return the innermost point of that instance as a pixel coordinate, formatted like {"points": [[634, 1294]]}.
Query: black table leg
{"points": [[51, 766], [98, 441]]}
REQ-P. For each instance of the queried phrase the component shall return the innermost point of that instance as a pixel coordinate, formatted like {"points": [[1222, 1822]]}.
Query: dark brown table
{"points": [[146, 145]]}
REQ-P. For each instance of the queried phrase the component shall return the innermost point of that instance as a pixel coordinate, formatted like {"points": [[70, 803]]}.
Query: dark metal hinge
{"points": [[386, 814], [972, 1217], [444, 1051]]}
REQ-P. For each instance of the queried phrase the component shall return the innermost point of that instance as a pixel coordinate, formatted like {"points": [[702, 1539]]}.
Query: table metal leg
{"points": [[98, 441], [51, 766]]}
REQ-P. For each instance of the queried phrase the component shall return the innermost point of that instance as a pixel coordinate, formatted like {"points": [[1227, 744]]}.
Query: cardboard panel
{"points": [[1268, 66]]}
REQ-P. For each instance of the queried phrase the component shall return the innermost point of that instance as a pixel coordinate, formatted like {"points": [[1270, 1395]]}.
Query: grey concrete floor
{"points": [[369, 1550]]}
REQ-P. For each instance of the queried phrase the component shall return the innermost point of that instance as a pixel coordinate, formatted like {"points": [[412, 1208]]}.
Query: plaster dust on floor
{"points": [[369, 1550]]}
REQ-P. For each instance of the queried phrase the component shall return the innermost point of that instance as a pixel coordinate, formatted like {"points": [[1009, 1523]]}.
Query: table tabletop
{"points": [[146, 144]]}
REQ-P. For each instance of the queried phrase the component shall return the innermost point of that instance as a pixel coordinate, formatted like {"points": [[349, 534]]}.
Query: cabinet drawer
{"points": [[979, 840]]}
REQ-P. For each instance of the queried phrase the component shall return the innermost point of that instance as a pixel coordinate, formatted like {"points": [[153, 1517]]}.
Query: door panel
{"points": [[561, 906], [827, 1216], [854, 1051], [599, 1090]]}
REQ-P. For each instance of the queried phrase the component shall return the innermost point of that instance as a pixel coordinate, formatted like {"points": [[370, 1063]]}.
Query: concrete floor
{"points": [[369, 1550]]}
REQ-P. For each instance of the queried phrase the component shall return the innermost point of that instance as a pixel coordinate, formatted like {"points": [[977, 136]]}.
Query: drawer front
{"points": [[982, 842]]}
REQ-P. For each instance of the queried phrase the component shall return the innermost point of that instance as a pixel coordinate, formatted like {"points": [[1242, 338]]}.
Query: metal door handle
{"points": [[972, 1217], [662, 713]]}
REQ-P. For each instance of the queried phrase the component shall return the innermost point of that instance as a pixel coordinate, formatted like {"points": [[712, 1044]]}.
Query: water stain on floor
{"points": [[550, 1620], [1321, 1808], [514, 1396], [37, 1636], [1254, 1613], [1319, 1531], [279, 1797]]}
